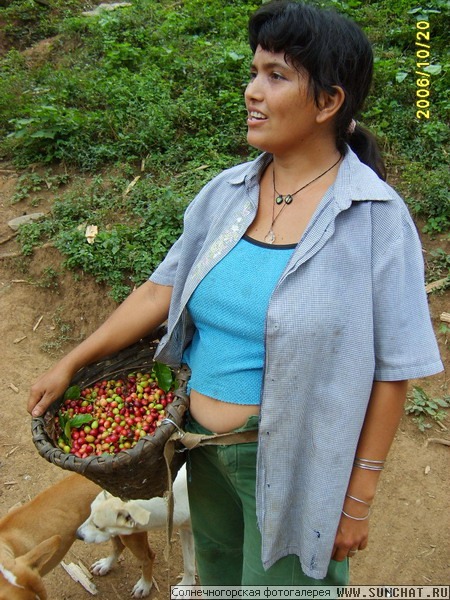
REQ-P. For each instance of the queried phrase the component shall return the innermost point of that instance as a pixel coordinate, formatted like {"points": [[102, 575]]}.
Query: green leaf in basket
{"points": [[79, 420], [62, 423], [62, 419], [66, 430], [164, 375], [76, 421], [72, 393]]}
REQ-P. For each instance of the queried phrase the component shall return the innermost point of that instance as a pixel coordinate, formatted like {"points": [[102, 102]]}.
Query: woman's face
{"points": [[281, 112]]}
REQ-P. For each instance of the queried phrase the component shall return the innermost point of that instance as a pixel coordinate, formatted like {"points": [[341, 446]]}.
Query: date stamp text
{"points": [[423, 81]]}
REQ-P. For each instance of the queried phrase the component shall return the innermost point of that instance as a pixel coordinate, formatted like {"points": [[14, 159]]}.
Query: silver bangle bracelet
{"points": [[356, 518], [368, 460], [368, 467], [357, 500]]}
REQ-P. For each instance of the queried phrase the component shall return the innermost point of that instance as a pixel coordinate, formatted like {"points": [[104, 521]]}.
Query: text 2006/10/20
{"points": [[422, 62]]}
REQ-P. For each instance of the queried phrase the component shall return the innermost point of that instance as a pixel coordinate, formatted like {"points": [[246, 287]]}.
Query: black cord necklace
{"points": [[287, 199]]}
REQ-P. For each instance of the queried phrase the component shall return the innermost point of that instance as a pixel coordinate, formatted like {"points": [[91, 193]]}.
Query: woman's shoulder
{"points": [[220, 194], [364, 183], [390, 215], [218, 189]]}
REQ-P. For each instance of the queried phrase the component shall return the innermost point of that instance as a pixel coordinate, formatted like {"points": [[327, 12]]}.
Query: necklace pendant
{"points": [[288, 199], [270, 237], [279, 199]]}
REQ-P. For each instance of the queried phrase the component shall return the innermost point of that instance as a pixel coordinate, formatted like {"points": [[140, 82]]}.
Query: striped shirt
{"points": [[349, 308]]}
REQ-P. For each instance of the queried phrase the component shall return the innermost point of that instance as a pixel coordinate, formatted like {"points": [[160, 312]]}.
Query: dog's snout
{"points": [[79, 534]]}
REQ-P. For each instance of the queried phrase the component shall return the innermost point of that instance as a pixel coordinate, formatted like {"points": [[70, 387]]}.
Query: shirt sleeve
{"points": [[165, 272], [405, 343], [196, 222]]}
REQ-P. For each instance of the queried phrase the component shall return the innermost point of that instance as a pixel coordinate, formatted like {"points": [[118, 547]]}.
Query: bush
{"points": [[162, 85]]}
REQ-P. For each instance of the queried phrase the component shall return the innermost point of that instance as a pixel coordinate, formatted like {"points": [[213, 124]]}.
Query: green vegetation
{"points": [[154, 90], [438, 268], [426, 410]]}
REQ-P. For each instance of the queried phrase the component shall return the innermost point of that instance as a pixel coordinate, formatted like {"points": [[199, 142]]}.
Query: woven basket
{"points": [[140, 472]]}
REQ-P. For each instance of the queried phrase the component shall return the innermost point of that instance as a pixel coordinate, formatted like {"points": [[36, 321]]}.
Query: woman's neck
{"points": [[291, 172]]}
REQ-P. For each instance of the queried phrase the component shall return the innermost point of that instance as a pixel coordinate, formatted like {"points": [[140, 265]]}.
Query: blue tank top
{"points": [[229, 307]]}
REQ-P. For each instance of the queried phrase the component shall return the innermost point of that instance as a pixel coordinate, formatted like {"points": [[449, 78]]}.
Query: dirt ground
{"points": [[409, 542]]}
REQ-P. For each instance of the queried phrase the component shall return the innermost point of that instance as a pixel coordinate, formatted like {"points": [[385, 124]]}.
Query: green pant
{"points": [[221, 485]]}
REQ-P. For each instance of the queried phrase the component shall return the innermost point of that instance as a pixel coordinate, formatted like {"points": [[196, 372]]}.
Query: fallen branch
{"points": [[130, 186], [79, 576], [438, 441], [38, 322], [84, 569], [201, 168], [434, 285]]}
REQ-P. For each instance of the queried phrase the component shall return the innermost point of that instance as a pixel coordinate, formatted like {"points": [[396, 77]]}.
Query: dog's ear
{"points": [[101, 497], [132, 515], [42, 553], [25, 571]]}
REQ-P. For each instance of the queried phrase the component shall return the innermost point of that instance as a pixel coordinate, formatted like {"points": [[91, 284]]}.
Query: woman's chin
{"points": [[257, 142]]}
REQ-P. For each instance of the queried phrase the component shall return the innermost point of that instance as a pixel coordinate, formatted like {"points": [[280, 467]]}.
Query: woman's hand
{"points": [[144, 310], [380, 424], [351, 536], [49, 387]]}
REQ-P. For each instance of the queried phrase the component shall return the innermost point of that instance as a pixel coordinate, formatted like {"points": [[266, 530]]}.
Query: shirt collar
{"points": [[250, 173], [355, 181]]}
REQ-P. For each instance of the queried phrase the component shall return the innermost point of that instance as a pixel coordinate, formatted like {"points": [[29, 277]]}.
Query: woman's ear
{"points": [[329, 104]]}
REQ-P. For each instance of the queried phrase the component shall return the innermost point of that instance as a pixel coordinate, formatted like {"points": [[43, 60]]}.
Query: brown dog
{"points": [[35, 537]]}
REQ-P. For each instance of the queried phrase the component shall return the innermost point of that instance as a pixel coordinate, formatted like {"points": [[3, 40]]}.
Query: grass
{"points": [[153, 94]]}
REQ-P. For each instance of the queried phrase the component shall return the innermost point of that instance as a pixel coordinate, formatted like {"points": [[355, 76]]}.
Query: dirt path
{"points": [[409, 541]]}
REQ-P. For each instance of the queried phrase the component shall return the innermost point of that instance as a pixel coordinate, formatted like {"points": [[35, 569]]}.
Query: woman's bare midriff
{"points": [[218, 416]]}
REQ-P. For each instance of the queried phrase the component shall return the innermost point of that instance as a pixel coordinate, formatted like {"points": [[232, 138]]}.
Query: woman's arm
{"points": [[142, 312], [383, 416]]}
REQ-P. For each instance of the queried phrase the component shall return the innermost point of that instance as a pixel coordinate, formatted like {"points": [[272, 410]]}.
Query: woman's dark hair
{"points": [[333, 51]]}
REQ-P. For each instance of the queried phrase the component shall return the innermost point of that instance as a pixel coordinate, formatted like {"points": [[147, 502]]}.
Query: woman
{"points": [[296, 296]]}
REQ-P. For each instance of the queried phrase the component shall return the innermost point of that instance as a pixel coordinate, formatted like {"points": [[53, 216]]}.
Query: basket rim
{"points": [[47, 448]]}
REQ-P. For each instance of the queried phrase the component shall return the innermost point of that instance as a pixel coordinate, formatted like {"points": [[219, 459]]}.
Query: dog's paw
{"points": [[187, 580], [102, 566], [180, 589], [142, 588]]}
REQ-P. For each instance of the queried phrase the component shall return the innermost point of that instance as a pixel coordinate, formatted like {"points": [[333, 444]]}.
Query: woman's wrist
{"points": [[356, 508], [363, 485]]}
